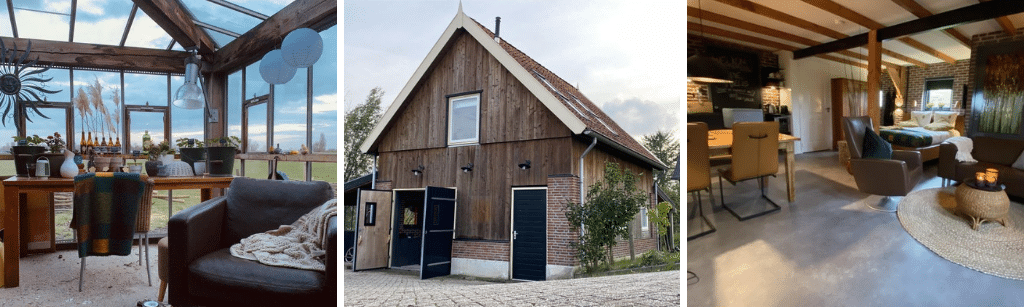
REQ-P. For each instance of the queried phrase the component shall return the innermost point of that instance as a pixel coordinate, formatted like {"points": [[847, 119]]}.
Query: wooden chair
{"points": [[755, 155], [698, 170]]}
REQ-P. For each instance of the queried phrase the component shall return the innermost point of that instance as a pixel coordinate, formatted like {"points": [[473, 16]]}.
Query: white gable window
{"points": [[464, 119]]}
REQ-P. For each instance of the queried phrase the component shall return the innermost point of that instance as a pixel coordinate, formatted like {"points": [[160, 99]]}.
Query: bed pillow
{"points": [[907, 124], [1020, 162], [944, 116], [939, 126], [923, 118], [875, 147]]}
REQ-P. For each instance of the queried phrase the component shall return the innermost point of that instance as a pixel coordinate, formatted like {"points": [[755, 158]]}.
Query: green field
{"points": [[187, 198]]}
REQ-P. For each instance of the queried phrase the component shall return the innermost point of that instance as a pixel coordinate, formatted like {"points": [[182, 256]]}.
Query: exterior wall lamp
{"points": [[417, 171], [467, 168], [525, 165]]}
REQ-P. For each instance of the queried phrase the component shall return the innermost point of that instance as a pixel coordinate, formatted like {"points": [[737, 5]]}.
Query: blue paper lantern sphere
{"points": [[274, 70], [302, 47]]}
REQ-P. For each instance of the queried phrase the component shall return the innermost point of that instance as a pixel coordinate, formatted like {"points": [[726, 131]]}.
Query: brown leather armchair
{"points": [[886, 177], [755, 155], [698, 170], [202, 270]]}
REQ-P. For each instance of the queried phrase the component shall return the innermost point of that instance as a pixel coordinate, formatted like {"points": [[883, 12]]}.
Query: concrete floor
{"points": [[827, 249]]}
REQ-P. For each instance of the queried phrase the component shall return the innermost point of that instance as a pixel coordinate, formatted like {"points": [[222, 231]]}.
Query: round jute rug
{"points": [[929, 217]]}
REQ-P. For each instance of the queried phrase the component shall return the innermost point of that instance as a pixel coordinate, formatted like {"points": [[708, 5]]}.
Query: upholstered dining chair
{"points": [[895, 176], [106, 209], [698, 170], [755, 155]]}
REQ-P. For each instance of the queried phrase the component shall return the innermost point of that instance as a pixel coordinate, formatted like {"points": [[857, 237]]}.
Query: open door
{"points": [[373, 230], [438, 232]]}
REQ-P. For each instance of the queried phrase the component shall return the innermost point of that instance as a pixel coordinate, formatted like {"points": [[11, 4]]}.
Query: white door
{"points": [[809, 93]]}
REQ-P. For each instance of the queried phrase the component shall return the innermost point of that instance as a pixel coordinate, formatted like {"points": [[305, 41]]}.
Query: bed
{"points": [[920, 139]]}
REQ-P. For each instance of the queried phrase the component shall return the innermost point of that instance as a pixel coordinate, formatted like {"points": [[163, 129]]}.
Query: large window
{"points": [[464, 119], [938, 94]]}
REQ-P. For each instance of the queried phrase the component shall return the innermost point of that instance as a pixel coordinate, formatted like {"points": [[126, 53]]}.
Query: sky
{"points": [[103, 22], [626, 56]]}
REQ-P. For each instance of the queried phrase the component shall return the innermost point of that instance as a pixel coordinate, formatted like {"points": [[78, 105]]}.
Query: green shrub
{"points": [[651, 258]]}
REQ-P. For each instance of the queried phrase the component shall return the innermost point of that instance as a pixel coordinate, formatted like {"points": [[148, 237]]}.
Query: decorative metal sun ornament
{"points": [[19, 83]]}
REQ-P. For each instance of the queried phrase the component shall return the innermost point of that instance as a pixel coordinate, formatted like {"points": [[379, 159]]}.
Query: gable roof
{"points": [[566, 102]]}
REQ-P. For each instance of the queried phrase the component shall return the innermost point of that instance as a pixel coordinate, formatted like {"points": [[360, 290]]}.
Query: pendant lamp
{"points": [[190, 95], [703, 69]]}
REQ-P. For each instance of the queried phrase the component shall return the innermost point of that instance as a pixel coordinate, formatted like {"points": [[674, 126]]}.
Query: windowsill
{"points": [[464, 145]]}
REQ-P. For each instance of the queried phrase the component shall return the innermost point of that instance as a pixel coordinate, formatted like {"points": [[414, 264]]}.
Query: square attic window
{"points": [[464, 119]]}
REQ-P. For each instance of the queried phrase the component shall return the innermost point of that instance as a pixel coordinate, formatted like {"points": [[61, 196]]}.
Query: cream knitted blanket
{"points": [[299, 245], [964, 146]]}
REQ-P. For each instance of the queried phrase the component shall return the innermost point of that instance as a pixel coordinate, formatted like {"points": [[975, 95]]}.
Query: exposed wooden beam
{"points": [[852, 15], [759, 29], [915, 8], [874, 77], [251, 46], [898, 79], [174, 18], [973, 13], [101, 56], [783, 17], [931, 51], [904, 58], [1004, 23], [763, 42]]}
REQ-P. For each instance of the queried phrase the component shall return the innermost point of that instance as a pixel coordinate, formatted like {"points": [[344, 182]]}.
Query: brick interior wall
{"points": [[693, 96], [977, 41], [562, 189], [483, 250], [918, 75]]}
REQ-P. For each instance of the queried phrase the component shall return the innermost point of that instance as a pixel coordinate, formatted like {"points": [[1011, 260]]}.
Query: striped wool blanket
{"points": [[299, 245], [105, 209]]}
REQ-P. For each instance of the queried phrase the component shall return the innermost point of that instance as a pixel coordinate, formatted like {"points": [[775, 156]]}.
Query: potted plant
{"points": [[191, 150], [221, 153], [55, 145], [25, 152], [158, 154]]}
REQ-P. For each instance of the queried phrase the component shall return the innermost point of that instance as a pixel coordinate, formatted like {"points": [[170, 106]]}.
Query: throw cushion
{"points": [[944, 116], [922, 117], [907, 123], [1020, 162], [939, 126], [875, 147]]}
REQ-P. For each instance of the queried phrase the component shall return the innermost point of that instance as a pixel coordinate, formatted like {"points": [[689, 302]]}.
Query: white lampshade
{"points": [[302, 47], [274, 70], [189, 95]]}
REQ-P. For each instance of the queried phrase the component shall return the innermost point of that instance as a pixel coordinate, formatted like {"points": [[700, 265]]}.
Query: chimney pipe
{"points": [[497, 26]]}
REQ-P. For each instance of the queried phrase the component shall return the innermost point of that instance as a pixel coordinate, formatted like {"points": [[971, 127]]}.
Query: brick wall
{"points": [[918, 75], [562, 189], [642, 241], [483, 250], [694, 94], [383, 185], [980, 40]]}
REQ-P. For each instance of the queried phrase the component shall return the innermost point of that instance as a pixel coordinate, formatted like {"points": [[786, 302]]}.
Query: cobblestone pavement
{"points": [[398, 288]]}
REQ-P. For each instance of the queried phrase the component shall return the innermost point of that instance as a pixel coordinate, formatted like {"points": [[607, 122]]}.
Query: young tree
{"points": [[610, 206], [321, 145], [358, 123], [665, 146]]}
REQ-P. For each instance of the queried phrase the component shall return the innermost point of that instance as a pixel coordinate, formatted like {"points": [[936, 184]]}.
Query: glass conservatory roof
{"points": [[122, 23]]}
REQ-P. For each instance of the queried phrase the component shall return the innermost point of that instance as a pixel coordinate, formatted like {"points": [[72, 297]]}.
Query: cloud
{"points": [[321, 104], [642, 117]]}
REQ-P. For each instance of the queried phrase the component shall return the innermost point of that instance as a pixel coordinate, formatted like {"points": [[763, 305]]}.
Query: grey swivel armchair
{"points": [[886, 177]]}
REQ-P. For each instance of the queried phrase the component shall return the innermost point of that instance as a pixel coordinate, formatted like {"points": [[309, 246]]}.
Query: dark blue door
{"points": [[529, 234], [438, 229]]}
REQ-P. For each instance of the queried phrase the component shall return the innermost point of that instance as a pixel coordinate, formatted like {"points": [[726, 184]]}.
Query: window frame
{"points": [[927, 88], [450, 120], [644, 222]]}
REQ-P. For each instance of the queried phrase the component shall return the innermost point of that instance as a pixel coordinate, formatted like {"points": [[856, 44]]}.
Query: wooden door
{"points": [[438, 232], [529, 234], [373, 230]]}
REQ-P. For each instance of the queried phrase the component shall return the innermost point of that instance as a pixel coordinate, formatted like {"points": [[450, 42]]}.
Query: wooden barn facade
{"points": [[510, 144]]}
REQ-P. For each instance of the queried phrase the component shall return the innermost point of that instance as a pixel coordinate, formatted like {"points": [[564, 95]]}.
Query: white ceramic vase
{"points": [[69, 169]]}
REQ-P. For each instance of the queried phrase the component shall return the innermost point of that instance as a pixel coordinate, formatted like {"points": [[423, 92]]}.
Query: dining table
{"points": [[17, 185], [720, 141]]}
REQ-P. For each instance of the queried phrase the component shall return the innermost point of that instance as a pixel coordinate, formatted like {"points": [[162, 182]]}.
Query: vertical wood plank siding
{"points": [[514, 127]]}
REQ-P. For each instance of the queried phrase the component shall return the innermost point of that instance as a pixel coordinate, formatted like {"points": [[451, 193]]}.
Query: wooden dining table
{"points": [[720, 141], [16, 185]]}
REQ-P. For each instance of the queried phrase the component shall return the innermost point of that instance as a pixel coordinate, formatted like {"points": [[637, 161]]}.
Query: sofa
{"points": [[202, 270], [991, 153]]}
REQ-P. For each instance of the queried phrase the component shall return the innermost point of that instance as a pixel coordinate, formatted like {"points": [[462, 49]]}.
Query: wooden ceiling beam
{"points": [[1004, 23], [101, 56], [973, 13], [763, 42], [915, 8], [783, 17], [267, 36], [174, 18], [759, 29], [851, 15]]}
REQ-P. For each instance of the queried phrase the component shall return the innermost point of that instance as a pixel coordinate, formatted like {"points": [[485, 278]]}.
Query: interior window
{"points": [[463, 119], [938, 94]]}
